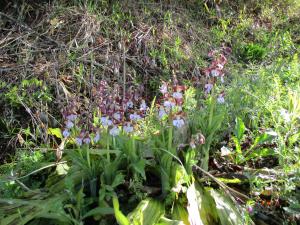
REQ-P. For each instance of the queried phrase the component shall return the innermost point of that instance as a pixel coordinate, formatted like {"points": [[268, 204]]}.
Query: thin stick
{"points": [[224, 186], [124, 70], [40, 169]]}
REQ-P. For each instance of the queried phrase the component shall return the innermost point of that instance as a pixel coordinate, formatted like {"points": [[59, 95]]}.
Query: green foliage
{"points": [[208, 122], [24, 162], [209, 206], [28, 92], [148, 212], [252, 52], [254, 150]]}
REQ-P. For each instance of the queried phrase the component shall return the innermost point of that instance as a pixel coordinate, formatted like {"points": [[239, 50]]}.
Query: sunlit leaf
{"points": [[263, 138], [55, 132], [201, 206], [119, 179], [180, 213], [148, 212], [139, 167], [226, 209], [120, 217], [262, 152], [62, 169], [239, 128], [99, 211], [166, 221]]}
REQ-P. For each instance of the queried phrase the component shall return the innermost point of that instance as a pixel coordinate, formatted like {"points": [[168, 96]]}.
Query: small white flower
{"points": [[87, 140], [72, 117], [169, 104], [215, 73], [78, 141], [208, 87], [161, 112], [97, 137], [178, 122], [225, 151], [69, 124], [143, 106], [222, 79], [117, 116], [106, 121], [220, 66], [164, 89], [221, 99], [285, 115], [177, 95], [114, 131], [128, 128], [134, 117], [66, 133], [129, 104]]}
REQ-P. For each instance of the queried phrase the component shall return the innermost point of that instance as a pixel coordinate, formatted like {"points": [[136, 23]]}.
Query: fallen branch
{"points": [[221, 184]]}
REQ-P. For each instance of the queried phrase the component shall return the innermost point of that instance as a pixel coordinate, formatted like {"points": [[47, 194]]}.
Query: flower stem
{"points": [[133, 148], [170, 139], [88, 156], [107, 148]]}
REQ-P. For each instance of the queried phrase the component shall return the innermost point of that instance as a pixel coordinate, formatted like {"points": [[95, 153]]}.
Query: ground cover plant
{"points": [[149, 112]]}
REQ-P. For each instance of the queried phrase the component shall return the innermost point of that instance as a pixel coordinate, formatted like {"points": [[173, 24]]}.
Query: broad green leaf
{"points": [[239, 128], [262, 152], [190, 160], [62, 169], [119, 179], [263, 138], [23, 211], [166, 221], [238, 147], [180, 213], [165, 170], [99, 211], [201, 206], [178, 175], [148, 212], [55, 132], [139, 167], [120, 217], [56, 216], [226, 209]]}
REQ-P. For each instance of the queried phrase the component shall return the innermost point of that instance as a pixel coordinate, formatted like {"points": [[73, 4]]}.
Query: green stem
{"points": [[114, 142], [88, 156], [133, 147], [205, 158], [107, 148], [170, 140]]}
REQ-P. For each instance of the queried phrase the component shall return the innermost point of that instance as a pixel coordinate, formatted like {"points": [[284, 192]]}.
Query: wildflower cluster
{"points": [[78, 122], [171, 103], [70, 116], [216, 70], [119, 108], [112, 110]]}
